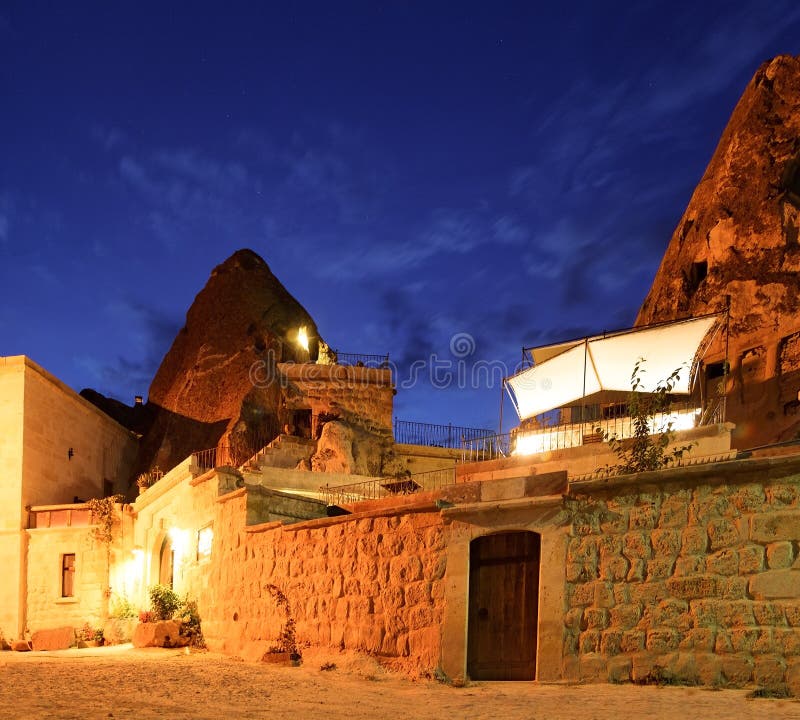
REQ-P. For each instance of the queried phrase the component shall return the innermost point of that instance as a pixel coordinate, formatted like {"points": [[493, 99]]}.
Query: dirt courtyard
{"points": [[120, 682]]}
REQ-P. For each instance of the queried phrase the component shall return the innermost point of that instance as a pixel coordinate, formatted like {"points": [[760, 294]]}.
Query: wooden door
{"points": [[503, 606], [166, 560]]}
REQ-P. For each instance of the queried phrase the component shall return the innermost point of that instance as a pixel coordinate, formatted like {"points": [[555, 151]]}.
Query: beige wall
{"points": [[40, 420], [175, 508], [57, 419], [11, 545], [46, 607]]}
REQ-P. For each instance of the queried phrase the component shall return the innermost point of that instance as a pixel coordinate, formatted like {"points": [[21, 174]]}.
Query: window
{"points": [[697, 273], [205, 537], [68, 575]]}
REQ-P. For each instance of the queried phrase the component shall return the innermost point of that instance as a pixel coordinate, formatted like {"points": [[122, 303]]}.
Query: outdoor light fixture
{"points": [[302, 338], [70, 453]]}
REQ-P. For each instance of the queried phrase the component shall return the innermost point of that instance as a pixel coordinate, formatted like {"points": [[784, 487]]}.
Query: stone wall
{"points": [[373, 584], [695, 579], [362, 396]]}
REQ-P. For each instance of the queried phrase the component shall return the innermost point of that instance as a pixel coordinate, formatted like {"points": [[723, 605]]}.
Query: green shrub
{"points": [[164, 601], [122, 608]]}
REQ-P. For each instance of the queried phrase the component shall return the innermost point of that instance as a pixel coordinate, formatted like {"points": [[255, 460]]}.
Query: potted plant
{"points": [[89, 636]]}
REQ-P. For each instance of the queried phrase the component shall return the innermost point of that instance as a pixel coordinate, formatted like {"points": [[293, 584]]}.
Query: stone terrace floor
{"points": [[119, 682]]}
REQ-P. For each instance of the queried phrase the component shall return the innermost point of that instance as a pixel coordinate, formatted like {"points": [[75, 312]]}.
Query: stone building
{"points": [[55, 448], [523, 567]]}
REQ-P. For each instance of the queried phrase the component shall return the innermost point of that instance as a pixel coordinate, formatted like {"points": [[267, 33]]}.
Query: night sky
{"points": [[409, 171]]}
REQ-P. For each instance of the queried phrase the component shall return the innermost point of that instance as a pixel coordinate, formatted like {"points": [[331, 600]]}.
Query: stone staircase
{"points": [[285, 451]]}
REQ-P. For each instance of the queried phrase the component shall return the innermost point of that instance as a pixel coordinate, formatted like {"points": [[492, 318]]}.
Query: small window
{"points": [[205, 538], [68, 575], [697, 273], [715, 370]]}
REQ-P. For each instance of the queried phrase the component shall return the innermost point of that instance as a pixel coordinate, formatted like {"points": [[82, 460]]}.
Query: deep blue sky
{"points": [[408, 170]]}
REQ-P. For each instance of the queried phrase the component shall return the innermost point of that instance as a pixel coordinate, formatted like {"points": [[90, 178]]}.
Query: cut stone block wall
{"points": [[699, 582], [373, 584]]}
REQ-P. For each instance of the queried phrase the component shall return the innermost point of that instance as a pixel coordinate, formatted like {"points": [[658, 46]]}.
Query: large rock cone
{"points": [[739, 238], [219, 377]]}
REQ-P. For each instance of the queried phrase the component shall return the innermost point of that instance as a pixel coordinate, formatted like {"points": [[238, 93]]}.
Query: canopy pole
{"points": [[583, 398], [726, 364], [502, 398]]}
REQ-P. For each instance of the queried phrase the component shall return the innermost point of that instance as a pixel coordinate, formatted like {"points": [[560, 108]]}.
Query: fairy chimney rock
{"points": [[739, 237], [219, 375]]}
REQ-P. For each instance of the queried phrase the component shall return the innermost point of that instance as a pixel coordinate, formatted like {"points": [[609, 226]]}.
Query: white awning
{"points": [[567, 372]]}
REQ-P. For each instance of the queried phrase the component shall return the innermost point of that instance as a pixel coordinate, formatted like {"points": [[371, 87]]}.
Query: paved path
{"points": [[124, 683]]}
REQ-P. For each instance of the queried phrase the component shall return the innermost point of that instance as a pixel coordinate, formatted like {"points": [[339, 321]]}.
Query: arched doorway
{"points": [[166, 562], [503, 606]]}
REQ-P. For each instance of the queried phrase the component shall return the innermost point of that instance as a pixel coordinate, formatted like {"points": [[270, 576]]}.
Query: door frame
{"points": [[463, 526]]}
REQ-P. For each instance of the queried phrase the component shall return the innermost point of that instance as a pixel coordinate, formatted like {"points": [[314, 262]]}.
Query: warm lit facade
{"points": [[513, 568], [54, 447]]}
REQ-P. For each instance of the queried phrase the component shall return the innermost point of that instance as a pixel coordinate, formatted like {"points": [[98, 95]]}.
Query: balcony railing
{"points": [[430, 435], [362, 360], [680, 416], [388, 487]]}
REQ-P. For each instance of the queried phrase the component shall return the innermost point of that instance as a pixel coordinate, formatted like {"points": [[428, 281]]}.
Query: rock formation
{"points": [[739, 239], [219, 377]]}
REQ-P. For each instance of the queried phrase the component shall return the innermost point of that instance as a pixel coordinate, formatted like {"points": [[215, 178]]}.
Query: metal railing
{"points": [[211, 458], [388, 487], [362, 360], [430, 435], [574, 434], [241, 448]]}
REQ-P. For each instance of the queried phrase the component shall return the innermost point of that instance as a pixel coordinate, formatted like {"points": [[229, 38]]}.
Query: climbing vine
{"points": [[104, 515]]}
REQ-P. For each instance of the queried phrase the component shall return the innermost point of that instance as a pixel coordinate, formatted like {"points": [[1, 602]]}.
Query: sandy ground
{"points": [[120, 682]]}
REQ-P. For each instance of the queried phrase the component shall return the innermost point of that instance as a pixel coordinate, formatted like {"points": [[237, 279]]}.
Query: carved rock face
{"points": [[739, 238], [220, 372]]}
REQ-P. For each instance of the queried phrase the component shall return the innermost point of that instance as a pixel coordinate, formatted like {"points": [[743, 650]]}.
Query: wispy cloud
{"points": [[148, 331]]}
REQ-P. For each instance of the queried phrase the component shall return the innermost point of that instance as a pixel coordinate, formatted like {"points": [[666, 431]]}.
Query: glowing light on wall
{"points": [[180, 543], [302, 338]]}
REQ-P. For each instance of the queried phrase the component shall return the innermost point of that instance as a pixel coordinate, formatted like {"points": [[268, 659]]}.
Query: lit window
{"points": [[68, 575], [205, 537]]}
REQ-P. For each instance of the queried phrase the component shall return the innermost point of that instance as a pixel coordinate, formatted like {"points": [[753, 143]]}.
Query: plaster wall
{"points": [[45, 606], [56, 420], [11, 518]]}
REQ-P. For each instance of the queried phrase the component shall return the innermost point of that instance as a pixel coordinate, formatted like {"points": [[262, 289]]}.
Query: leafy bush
{"points": [[646, 451], [122, 608], [164, 601], [190, 623]]}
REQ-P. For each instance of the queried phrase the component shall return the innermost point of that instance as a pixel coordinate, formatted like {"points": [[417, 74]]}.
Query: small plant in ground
{"points": [[122, 608], [88, 633], [286, 640], [190, 623], [647, 449], [164, 601]]}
